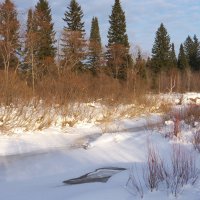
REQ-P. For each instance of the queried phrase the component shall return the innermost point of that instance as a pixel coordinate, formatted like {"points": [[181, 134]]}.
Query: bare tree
{"points": [[73, 50], [9, 36]]}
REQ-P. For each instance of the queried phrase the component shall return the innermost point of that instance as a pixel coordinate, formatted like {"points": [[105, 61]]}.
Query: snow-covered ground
{"points": [[33, 165]]}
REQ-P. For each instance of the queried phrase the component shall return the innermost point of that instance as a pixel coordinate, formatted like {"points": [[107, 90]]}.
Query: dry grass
{"points": [[25, 116], [192, 114], [62, 97]]}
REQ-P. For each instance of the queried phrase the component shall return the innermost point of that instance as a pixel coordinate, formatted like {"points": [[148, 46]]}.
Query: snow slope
{"points": [[33, 165], [36, 169]]}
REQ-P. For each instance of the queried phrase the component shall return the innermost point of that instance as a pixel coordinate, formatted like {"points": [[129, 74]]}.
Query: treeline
{"points": [[47, 63]]}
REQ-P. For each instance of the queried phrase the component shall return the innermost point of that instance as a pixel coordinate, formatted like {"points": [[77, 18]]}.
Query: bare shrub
{"points": [[30, 116], [196, 140], [177, 131], [153, 172], [135, 183], [59, 94], [192, 114], [165, 107], [180, 171], [15, 92], [183, 170]]}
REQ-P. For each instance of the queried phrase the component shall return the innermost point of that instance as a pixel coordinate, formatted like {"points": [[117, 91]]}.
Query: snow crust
{"points": [[33, 165]]}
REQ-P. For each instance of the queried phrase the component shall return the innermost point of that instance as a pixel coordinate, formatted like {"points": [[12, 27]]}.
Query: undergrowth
{"points": [[70, 99]]}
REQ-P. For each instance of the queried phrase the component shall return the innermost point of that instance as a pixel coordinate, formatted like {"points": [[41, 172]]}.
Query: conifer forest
{"points": [[35, 60]]}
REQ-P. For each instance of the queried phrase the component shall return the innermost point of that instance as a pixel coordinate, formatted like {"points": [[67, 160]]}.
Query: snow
{"points": [[184, 99], [33, 165]]}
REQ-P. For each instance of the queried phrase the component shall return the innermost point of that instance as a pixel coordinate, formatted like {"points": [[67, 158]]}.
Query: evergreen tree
{"points": [[73, 17], [29, 30], [9, 35], [29, 25], [198, 57], [182, 59], [118, 58], [173, 57], [188, 46], [95, 33], [140, 66], [95, 47], [148, 63], [192, 49], [73, 42], [44, 28], [161, 52], [195, 62]]}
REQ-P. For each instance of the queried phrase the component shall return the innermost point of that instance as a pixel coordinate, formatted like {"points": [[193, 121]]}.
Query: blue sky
{"points": [[180, 17]]}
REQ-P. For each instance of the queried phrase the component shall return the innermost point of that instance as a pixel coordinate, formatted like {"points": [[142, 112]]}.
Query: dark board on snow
{"points": [[99, 175]]}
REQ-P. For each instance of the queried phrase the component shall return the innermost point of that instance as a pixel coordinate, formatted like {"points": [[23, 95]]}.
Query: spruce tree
{"points": [[192, 48], [173, 57], [95, 47], [140, 66], [188, 46], [29, 30], [95, 33], [29, 24], [44, 28], [73, 17], [73, 38], [118, 58], [182, 59], [196, 57], [161, 52]]}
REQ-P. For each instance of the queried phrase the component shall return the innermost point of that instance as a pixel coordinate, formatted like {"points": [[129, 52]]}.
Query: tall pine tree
{"points": [[95, 47], [161, 52], [44, 28], [192, 49], [73, 38], [173, 57], [182, 59], [29, 35], [196, 57], [118, 58], [95, 33], [188, 45], [73, 17]]}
